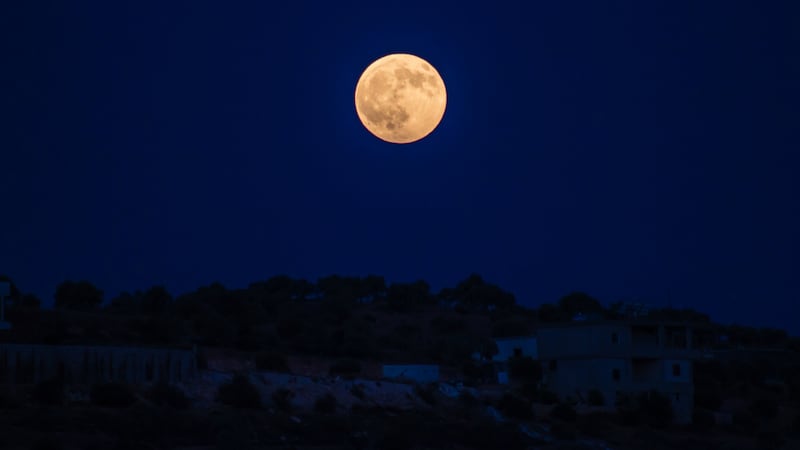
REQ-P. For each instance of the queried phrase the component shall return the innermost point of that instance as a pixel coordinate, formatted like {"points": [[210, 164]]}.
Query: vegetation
{"points": [[271, 361], [515, 407], [239, 393], [346, 367], [564, 413], [525, 369], [164, 394], [595, 398], [351, 319], [282, 398], [112, 395], [326, 404], [49, 392]]}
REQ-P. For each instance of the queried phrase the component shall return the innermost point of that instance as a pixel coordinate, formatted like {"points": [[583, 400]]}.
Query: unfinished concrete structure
{"points": [[77, 364], [618, 358]]}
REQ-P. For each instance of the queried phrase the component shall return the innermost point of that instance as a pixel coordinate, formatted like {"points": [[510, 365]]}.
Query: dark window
{"points": [[518, 352], [615, 374], [614, 338], [676, 370], [553, 365]]}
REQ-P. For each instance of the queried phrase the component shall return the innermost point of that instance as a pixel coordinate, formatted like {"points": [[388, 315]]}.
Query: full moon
{"points": [[400, 98]]}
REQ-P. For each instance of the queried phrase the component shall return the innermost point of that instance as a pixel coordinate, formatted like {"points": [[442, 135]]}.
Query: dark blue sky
{"points": [[626, 149]]}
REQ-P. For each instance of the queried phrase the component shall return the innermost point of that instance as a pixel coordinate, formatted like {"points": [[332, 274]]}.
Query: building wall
{"points": [[576, 377], [421, 373], [508, 347], [584, 341], [22, 364], [616, 358]]}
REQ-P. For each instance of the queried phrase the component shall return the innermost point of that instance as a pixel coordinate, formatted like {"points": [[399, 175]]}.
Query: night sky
{"points": [[638, 149]]}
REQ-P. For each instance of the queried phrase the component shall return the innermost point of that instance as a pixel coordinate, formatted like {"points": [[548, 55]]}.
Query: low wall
{"points": [[22, 364]]}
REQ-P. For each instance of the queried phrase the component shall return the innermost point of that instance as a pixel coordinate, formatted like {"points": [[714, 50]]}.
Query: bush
{"points": [[47, 443], [49, 392], [358, 392], [702, 420], [345, 367], [744, 423], [282, 398], [164, 394], [595, 398], [655, 408], [764, 408], [239, 393], [563, 432], [427, 393], [325, 404], [547, 397], [112, 395], [524, 369], [515, 407], [564, 413], [467, 399], [707, 399], [271, 361]]}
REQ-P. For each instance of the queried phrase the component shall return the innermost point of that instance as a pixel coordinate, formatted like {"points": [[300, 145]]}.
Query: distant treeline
{"points": [[339, 316]]}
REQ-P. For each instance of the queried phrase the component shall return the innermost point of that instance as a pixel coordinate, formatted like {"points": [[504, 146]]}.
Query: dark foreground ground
{"points": [[445, 424]]}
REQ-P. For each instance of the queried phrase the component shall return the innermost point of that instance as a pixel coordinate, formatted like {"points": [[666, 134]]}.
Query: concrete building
{"points": [[76, 364], [620, 358]]}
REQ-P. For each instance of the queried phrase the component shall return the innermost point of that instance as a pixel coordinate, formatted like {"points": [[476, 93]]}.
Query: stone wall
{"points": [[25, 364]]}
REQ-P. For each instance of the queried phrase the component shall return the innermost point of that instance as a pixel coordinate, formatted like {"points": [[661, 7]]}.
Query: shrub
{"points": [[702, 420], [467, 399], [427, 393], [345, 367], [564, 412], [282, 398], [113, 395], [49, 392], [358, 392], [164, 394], [707, 399], [524, 368], [744, 423], [239, 393], [271, 361], [562, 431], [547, 397], [655, 408], [325, 404], [47, 443], [515, 407], [764, 408], [770, 440], [595, 398]]}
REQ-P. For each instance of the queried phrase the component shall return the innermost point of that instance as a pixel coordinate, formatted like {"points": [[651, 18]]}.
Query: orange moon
{"points": [[400, 98]]}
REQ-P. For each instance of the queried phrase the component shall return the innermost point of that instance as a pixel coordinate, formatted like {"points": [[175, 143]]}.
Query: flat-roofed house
{"points": [[620, 357]]}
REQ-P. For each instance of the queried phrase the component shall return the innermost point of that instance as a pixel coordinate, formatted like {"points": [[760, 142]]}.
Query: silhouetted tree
{"points": [[14, 290], [407, 297], [549, 313], [524, 368], [579, 303], [155, 300], [81, 295], [27, 301], [475, 294]]}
